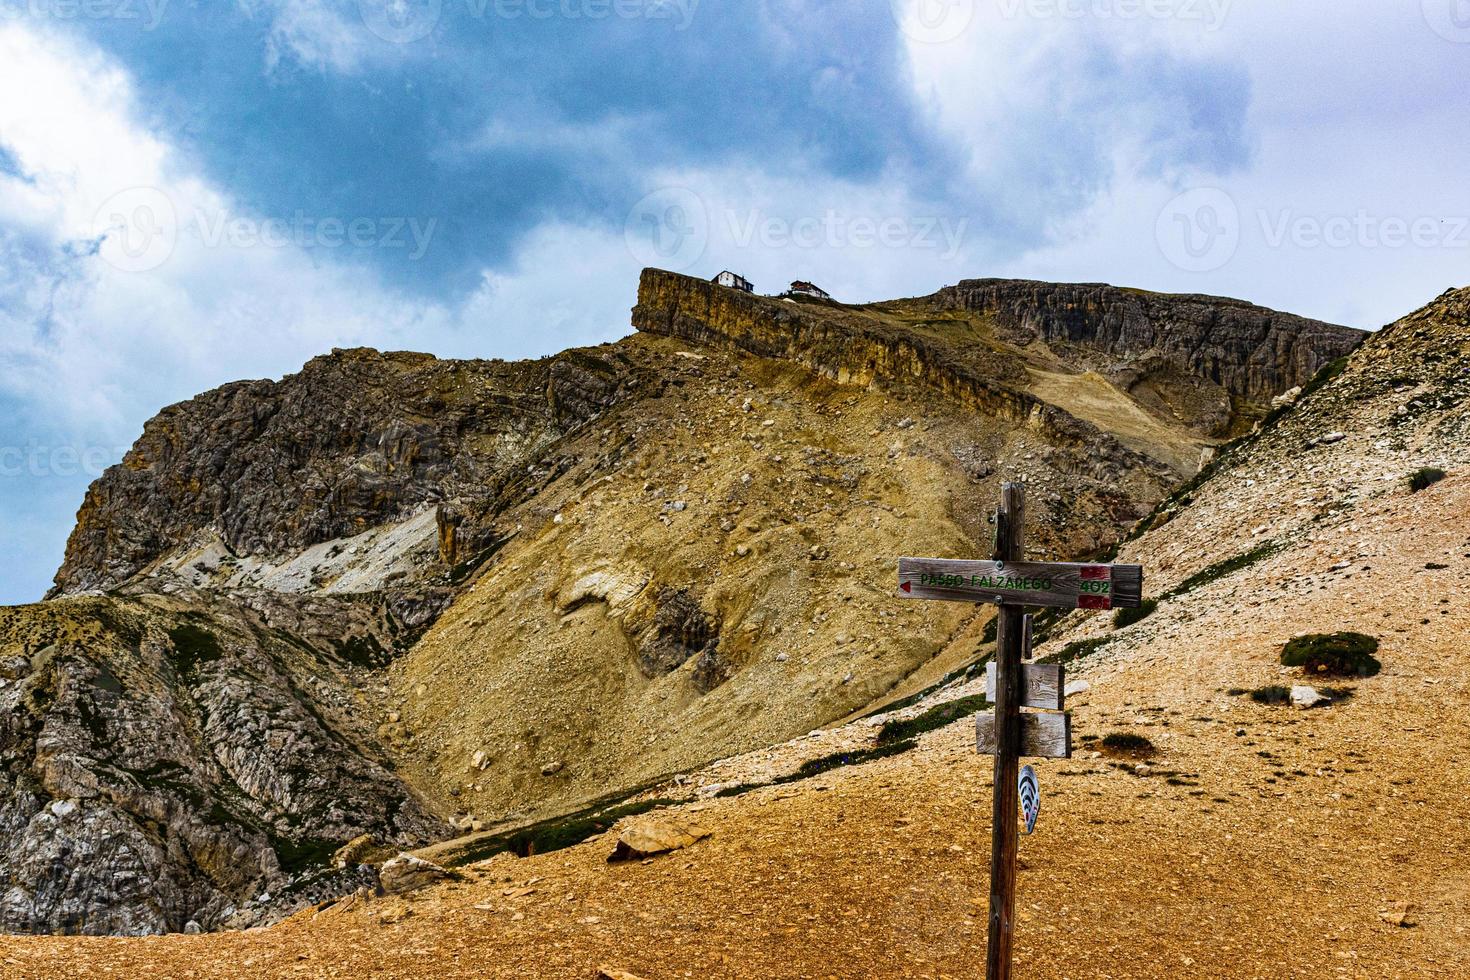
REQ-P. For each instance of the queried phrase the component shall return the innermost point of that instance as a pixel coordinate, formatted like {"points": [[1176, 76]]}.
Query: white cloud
{"points": [[1352, 119], [90, 350]]}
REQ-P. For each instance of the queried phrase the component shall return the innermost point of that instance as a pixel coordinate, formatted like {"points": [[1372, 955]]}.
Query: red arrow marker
{"points": [[907, 587]]}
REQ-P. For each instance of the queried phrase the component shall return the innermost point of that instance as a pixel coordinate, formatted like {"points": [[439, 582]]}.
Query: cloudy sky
{"points": [[196, 191]]}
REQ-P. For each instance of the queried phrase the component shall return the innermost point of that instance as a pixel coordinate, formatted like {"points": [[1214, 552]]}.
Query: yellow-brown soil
{"points": [[1261, 842]]}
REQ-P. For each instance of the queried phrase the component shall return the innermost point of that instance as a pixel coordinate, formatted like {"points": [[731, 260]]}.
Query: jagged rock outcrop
{"points": [[1252, 352], [846, 346], [1197, 359], [356, 440], [172, 759]]}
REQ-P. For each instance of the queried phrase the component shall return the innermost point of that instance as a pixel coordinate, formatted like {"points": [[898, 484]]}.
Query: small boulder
{"points": [[1307, 697], [613, 973], [1402, 914], [192, 928], [1286, 398], [407, 873], [552, 768], [649, 835], [1077, 687]]}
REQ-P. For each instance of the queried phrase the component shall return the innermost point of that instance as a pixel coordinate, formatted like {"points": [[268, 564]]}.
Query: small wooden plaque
{"points": [[1043, 736], [1042, 685]]}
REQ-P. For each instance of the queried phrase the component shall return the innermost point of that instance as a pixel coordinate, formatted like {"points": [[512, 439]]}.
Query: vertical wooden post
{"points": [[1003, 843]]}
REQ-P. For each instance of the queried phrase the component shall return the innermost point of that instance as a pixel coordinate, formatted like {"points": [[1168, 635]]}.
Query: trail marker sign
{"points": [[1030, 790], [1024, 583], [1009, 733]]}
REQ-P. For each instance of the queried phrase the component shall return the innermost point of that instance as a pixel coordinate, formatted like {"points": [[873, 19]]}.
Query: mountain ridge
{"points": [[1240, 836], [536, 583]]}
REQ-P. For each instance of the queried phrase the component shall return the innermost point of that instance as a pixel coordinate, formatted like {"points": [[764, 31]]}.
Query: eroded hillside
{"points": [[1223, 834], [623, 562]]}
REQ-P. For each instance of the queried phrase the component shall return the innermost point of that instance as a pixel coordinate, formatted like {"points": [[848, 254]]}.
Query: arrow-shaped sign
{"points": [[1023, 583]]}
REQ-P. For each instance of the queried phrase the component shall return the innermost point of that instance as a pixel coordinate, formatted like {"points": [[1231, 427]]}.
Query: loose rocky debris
{"points": [[1307, 697], [1274, 859]]}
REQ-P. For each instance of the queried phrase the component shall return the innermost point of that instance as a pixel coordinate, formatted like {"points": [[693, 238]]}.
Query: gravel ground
{"points": [[1271, 853]]}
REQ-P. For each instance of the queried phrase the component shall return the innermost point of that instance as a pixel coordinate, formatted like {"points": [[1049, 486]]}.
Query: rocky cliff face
{"points": [[168, 759], [1146, 340], [357, 440], [392, 591], [1398, 405]]}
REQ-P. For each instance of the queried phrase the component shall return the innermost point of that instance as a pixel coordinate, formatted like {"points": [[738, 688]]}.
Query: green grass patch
{"points": [[1223, 568], [826, 763], [1424, 478], [303, 853], [1127, 617], [839, 760], [961, 674], [1044, 622], [1075, 651], [936, 717], [1333, 654], [193, 646], [557, 833], [1130, 744]]}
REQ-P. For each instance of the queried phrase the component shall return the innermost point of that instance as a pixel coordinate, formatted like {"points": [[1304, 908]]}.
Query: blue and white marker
{"points": [[1030, 798]]}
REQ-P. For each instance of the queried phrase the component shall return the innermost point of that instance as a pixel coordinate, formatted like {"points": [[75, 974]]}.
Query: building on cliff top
{"points": [[734, 281], [800, 288]]}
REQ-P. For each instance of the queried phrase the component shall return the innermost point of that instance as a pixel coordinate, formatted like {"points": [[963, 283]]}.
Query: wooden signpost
{"points": [[1008, 733]]}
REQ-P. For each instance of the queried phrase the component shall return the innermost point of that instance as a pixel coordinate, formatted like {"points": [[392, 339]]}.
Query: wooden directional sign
{"points": [[1012, 684], [1042, 685], [1022, 583], [1047, 735]]}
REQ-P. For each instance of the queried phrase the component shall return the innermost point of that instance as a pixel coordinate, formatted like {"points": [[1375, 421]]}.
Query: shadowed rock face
{"points": [[356, 440], [1252, 352], [161, 764]]}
